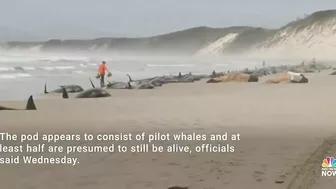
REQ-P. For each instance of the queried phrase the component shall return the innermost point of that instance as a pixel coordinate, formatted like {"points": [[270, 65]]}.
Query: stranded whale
{"points": [[118, 85], [68, 88], [89, 93], [30, 105], [155, 81]]}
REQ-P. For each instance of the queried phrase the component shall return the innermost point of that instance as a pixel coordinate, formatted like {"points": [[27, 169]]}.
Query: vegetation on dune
{"points": [[315, 19], [319, 17]]}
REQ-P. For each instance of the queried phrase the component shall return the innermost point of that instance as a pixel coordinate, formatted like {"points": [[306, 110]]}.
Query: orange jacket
{"points": [[102, 69]]}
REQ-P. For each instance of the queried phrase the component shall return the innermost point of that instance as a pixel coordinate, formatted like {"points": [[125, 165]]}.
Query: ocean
{"points": [[22, 75]]}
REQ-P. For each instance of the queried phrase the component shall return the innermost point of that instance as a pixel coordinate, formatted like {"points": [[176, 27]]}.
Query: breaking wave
{"points": [[30, 68], [14, 75], [6, 69], [170, 65], [48, 68]]}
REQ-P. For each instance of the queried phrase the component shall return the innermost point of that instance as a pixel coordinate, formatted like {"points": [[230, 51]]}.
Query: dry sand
{"points": [[286, 131]]}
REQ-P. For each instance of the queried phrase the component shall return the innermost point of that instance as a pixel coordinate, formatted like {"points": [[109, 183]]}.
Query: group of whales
{"points": [[151, 83], [65, 89], [88, 93], [94, 92], [148, 83]]}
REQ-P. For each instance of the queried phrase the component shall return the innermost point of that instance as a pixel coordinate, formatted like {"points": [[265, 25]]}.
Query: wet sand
{"points": [[286, 131]]}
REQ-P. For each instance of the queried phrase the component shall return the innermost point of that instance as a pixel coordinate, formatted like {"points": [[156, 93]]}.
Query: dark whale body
{"points": [[143, 86], [155, 81], [30, 105], [89, 93], [118, 85], [68, 88]]}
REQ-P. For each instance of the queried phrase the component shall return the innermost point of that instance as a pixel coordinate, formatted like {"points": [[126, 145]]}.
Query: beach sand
{"points": [[286, 130]]}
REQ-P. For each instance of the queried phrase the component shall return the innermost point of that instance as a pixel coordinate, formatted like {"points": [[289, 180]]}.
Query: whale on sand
{"points": [[118, 85], [214, 74], [156, 81], [142, 86], [89, 93], [167, 79], [138, 84], [127, 85], [68, 88], [30, 105], [189, 78], [197, 77], [333, 73]]}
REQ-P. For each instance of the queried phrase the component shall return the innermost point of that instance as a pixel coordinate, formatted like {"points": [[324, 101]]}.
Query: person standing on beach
{"points": [[101, 72]]}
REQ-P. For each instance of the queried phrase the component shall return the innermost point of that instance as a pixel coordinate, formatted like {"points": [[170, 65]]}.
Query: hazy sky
{"points": [[149, 17]]}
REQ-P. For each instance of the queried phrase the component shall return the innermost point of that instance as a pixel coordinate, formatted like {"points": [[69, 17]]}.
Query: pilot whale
{"points": [[155, 81], [118, 85], [142, 86], [88, 93], [68, 88], [30, 105]]}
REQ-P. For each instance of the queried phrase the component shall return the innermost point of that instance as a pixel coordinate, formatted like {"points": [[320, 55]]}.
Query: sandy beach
{"points": [[286, 132]]}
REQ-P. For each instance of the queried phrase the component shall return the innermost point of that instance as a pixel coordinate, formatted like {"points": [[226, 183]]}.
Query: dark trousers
{"points": [[102, 82]]}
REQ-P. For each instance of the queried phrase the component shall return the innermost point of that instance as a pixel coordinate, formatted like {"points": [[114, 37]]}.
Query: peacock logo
{"points": [[329, 162]]}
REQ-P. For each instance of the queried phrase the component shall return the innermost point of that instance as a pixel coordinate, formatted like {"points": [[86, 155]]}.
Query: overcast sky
{"points": [[149, 17]]}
